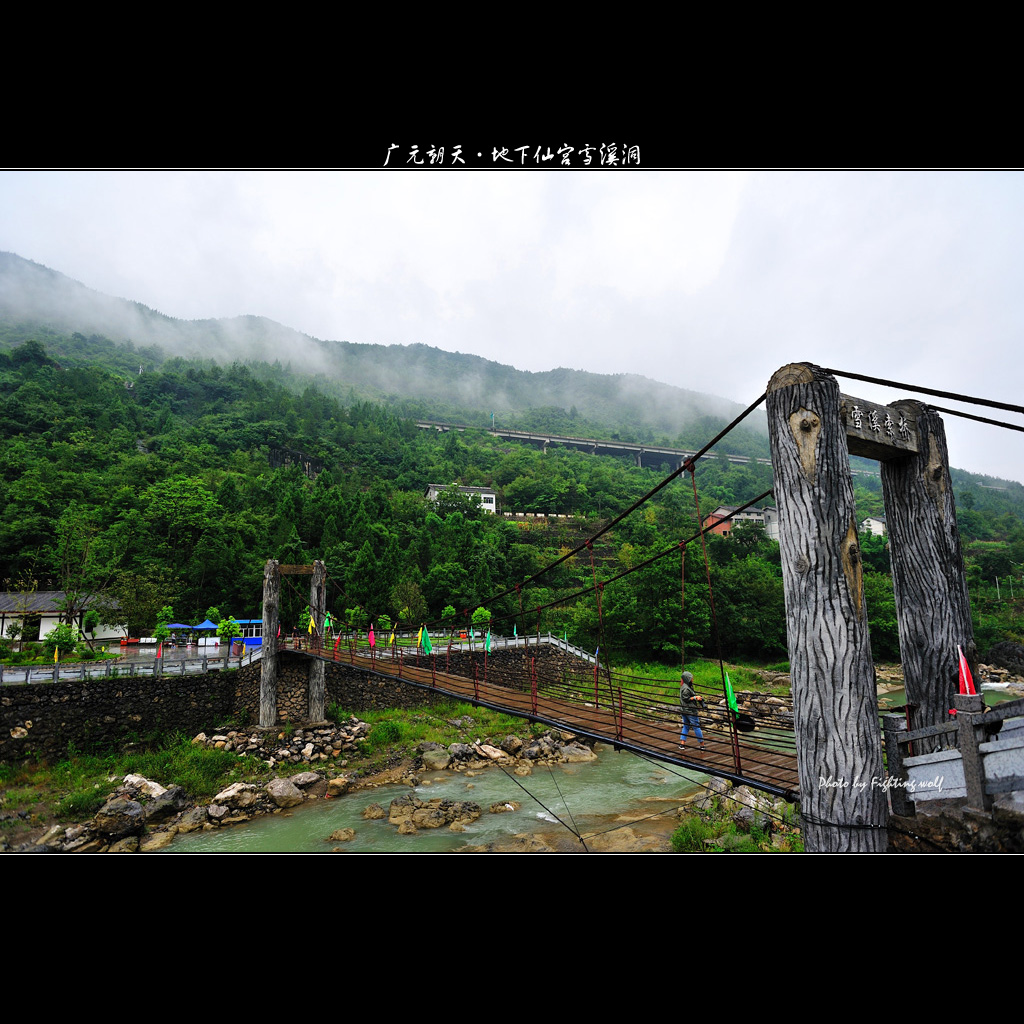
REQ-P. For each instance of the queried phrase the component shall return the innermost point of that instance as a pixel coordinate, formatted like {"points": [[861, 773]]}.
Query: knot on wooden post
{"points": [[852, 568], [805, 425]]}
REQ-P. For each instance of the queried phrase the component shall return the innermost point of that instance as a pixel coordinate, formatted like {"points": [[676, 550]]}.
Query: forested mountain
{"points": [[415, 380], [174, 485]]}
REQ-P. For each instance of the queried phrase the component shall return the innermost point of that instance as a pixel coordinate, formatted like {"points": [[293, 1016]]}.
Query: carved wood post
{"points": [[932, 604], [317, 606], [839, 749], [268, 662]]}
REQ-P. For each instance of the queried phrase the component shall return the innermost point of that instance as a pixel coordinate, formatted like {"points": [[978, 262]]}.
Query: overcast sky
{"points": [[710, 281]]}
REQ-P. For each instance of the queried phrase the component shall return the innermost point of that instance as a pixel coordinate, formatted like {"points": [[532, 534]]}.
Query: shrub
{"points": [[691, 835], [62, 637]]}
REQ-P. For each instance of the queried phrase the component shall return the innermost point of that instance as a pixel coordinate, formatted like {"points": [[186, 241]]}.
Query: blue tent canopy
{"points": [[205, 624]]}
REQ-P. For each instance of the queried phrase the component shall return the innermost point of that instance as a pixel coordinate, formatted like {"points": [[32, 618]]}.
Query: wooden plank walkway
{"points": [[764, 759]]}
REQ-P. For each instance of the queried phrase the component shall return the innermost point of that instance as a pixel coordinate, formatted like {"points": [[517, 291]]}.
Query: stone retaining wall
{"points": [[99, 714]]}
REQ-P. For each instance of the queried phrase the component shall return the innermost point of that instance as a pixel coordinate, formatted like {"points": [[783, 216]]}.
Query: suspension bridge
{"points": [[834, 730], [577, 694]]}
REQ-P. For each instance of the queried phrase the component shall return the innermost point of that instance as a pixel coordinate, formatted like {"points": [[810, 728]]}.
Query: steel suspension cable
{"points": [[979, 419], [654, 558], [687, 464], [714, 621], [927, 391]]}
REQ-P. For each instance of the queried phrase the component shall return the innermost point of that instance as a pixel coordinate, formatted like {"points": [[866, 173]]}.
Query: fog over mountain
{"points": [[34, 295]]}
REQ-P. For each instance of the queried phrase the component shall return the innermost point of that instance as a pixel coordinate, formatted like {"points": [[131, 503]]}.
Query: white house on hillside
{"points": [[875, 525], [488, 498]]}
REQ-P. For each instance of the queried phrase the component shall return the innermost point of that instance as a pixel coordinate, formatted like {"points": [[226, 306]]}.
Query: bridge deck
{"points": [[765, 758]]}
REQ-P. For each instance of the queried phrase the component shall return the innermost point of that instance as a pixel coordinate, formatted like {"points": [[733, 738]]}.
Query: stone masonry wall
{"points": [[98, 714]]}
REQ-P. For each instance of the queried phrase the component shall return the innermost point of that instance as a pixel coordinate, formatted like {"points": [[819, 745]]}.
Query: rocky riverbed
{"points": [[140, 815]]}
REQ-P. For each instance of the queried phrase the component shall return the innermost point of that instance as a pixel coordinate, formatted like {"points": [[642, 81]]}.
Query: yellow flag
{"points": [[311, 624], [56, 655], [392, 640], [419, 637]]}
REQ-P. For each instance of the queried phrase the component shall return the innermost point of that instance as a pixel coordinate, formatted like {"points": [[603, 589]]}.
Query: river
{"points": [[592, 797]]}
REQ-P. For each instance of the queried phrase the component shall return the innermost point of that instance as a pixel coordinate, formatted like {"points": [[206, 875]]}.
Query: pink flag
{"points": [[966, 682], [372, 641]]}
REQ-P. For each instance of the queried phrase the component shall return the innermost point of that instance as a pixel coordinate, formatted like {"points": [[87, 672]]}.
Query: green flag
{"points": [[730, 697], [427, 646], [515, 631], [487, 641]]}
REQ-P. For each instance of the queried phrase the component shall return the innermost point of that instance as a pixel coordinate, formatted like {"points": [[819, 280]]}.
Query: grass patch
{"points": [[82, 803], [398, 730], [200, 772], [714, 831], [661, 682]]}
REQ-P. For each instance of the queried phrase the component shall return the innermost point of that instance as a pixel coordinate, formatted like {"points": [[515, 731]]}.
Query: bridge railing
{"points": [[343, 645], [23, 675]]}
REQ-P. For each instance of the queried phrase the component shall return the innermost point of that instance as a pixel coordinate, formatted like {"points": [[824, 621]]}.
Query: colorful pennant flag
{"points": [[427, 646], [487, 641], [56, 655], [372, 638], [311, 624], [730, 697], [160, 650], [419, 637], [391, 642], [515, 631], [966, 680]]}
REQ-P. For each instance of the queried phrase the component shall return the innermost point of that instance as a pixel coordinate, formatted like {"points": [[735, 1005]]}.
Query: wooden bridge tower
{"points": [[813, 429], [272, 573]]}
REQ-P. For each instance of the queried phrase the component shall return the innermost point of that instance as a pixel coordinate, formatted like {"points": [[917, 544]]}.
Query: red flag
{"points": [[966, 682], [160, 650], [336, 642], [371, 638]]}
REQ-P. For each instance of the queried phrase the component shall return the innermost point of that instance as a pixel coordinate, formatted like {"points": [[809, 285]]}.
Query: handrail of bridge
{"points": [[766, 760], [109, 668]]}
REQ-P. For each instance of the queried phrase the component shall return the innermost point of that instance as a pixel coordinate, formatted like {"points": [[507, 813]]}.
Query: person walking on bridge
{"points": [[689, 704]]}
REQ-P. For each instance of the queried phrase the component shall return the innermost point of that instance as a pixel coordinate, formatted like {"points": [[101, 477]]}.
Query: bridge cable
{"points": [[682, 607], [598, 591], [654, 558], [687, 464], [541, 803], [565, 804], [980, 419], [672, 769], [718, 637], [928, 391]]}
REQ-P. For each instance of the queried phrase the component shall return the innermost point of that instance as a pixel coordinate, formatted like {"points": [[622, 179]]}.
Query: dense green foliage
{"points": [[173, 487]]}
